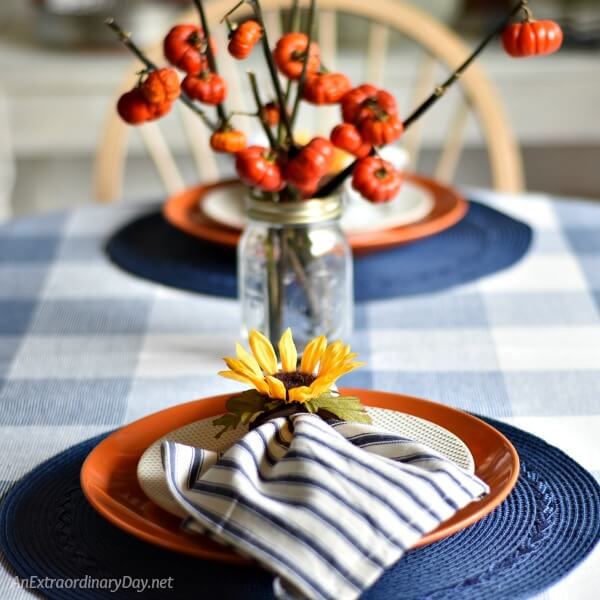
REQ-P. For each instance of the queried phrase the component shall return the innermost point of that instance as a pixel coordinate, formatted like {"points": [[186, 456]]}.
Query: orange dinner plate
{"points": [[109, 480], [183, 211]]}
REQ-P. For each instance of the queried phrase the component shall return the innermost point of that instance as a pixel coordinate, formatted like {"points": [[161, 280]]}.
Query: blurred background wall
{"points": [[59, 70]]}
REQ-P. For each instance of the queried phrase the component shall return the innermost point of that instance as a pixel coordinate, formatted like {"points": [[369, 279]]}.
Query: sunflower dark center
{"points": [[294, 379]]}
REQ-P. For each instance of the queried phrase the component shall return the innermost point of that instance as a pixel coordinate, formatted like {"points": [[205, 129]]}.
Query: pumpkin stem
{"points": [[527, 13], [196, 41], [372, 104], [230, 26], [141, 75]]}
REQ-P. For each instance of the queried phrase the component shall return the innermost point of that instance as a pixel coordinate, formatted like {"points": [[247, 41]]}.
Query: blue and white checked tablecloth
{"points": [[85, 347]]}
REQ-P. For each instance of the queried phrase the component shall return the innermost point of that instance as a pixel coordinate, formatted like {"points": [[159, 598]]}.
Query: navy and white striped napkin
{"points": [[327, 508]]}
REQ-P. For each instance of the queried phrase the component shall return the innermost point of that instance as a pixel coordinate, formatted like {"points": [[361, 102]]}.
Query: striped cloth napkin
{"points": [[327, 508]]}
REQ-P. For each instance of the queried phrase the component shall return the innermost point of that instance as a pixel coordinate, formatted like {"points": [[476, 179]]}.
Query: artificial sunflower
{"points": [[275, 384]]}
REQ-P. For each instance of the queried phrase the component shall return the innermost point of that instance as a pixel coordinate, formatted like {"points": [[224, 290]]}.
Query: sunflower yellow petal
{"points": [[248, 359], [320, 386], [300, 394], [288, 352], [260, 384], [346, 353], [330, 357], [340, 370], [263, 352], [236, 376], [238, 366], [312, 354], [276, 388]]}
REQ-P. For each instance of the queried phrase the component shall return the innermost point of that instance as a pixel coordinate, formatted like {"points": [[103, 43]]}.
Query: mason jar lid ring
{"points": [[295, 213]]}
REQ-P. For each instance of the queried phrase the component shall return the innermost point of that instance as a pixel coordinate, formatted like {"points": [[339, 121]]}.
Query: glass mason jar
{"points": [[295, 270]]}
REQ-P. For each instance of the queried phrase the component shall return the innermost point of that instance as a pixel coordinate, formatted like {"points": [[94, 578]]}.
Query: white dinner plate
{"points": [[226, 206]]}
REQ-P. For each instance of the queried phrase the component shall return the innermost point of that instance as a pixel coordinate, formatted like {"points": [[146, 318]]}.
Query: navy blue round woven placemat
{"points": [[548, 524], [484, 242]]}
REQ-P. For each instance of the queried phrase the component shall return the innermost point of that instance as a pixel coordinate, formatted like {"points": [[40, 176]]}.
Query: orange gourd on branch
{"points": [[161, 86], [370, 118], [185, 48], [325, 88], [244, 38], [532, 38], [291, 52], [257, 167], [206, 87], [346, 136], [228, 140]]}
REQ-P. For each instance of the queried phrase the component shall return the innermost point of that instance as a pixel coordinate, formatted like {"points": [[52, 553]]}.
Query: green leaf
{"points": [[310, 406], [226, 421], [273, 404], [243, 408], [346, 408], [249, 401], [255, 415]]}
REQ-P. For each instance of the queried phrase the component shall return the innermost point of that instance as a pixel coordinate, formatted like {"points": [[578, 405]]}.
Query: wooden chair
{"points": [[439, 48], [7, 160]]}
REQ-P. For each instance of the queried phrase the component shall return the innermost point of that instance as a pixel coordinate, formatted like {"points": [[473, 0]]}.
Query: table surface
{"points": [[85, 347]]}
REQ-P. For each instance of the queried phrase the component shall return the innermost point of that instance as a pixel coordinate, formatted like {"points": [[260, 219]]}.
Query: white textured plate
{"points": [[226, 206], [201, 434]]}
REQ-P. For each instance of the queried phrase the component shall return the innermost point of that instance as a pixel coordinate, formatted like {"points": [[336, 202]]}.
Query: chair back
{"points": [[374, 34]]}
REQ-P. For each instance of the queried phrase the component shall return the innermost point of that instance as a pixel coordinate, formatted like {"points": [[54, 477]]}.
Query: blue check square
{"points": [[478, 392], [432, 311], [35, 249], [15, 316], [98, 316], [64, 401]]}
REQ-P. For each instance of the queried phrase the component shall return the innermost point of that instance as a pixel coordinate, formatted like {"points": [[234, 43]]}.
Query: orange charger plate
{"points": [[109, 481], [183, 211]]}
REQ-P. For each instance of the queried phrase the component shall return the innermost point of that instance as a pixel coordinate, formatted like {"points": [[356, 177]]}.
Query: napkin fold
{"points": [[326, 507]]}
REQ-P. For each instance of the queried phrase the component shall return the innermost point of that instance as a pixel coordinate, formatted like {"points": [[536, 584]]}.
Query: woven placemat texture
{"points": [[548, 524], [484, 242]]}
